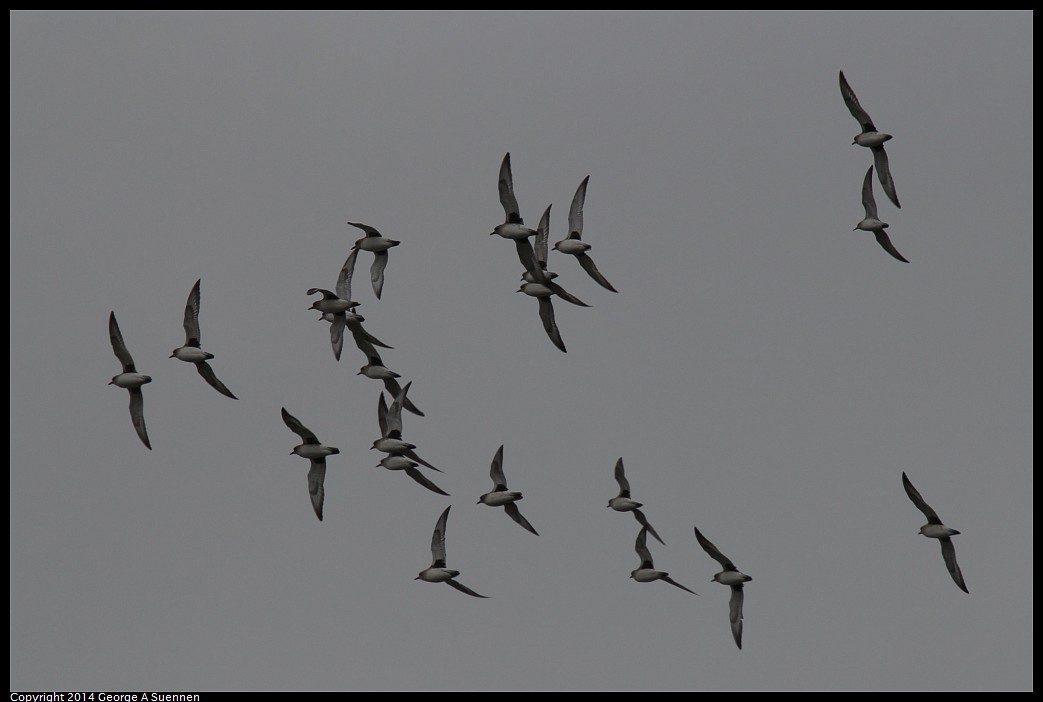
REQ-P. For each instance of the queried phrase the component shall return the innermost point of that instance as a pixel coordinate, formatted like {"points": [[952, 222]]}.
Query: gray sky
{"points": [[766, 373]]}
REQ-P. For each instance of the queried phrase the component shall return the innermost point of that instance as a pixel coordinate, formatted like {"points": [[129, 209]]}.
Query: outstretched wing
{"points": [[512, 511], [370, 231], [549, 325], [883, 171], [949, 554], [735, 614], [854, 107], [137, 415], [316, 481], [542, 235], [419, 477], [118, 345], [885, 241], [576, 210], [347, 271], [714, 552], [192, 317], [208, 375], [297, 428], [673, 582], [506, 187], [621, 478], [463, 588], [438, 538], [588, 265], [642, 549], [868, 201], [914, 495], [376, 271], [496, 470]]}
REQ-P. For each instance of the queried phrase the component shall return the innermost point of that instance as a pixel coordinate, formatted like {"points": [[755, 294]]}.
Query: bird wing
{"points": [[854, 107], [868, 201], [564, 294], [673, 582], [576, 210], [337, 334], [376, 271], [137, 415], [914, 495], [438, 537], [316, 479], [714, 552], [527, 256], [382, 416], [949, 554], [588, 265], [411, 454], [208, 375], [883, 171], [394, 416], [118, 345], [735, 613], [549, 325], [419, 477], [463, 588], [642, 549], [542, 235], [621, 478], [347, 271], [512, 511], [192, 317], [884, 240], [297, 428], [506, 188], [496, 469], [370, 231]]}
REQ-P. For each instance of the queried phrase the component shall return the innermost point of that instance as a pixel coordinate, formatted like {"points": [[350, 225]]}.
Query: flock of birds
{"points": [[338, 309]]}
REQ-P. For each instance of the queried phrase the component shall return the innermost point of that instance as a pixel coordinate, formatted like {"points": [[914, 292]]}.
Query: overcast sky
{"points": [[765, 373]]}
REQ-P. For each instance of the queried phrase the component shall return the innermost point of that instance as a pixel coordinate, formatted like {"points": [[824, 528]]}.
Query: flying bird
{"points": [[573, 243], [646, 572], [437, 572], [375, 242], [623, 503], [934, 529], [335, 306], [871, 138], [731, 577], [190, 352], [316, 453], [501, 496], [872, 223], [538, 282], [390, 420], [129, 379]]}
